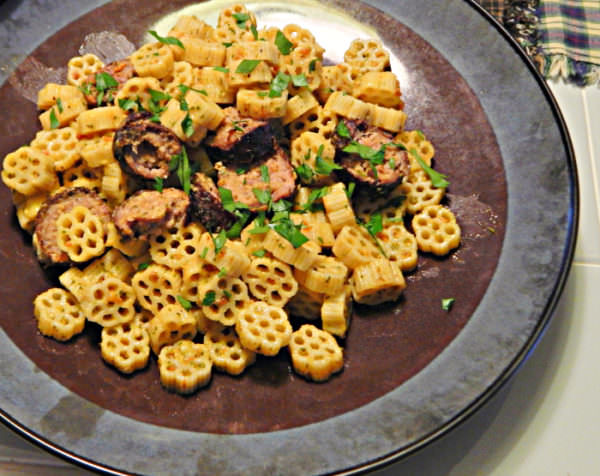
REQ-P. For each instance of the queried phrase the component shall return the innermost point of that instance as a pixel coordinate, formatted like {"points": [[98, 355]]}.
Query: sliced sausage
{"points": [[121, 71], [206, 205], [146, 147], [149, 210], [241, 140], [281, 182], [379, 177], [45, 228]]}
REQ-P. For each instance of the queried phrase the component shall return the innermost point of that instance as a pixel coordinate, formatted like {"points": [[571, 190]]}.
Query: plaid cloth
{"points": [[561, 36]]}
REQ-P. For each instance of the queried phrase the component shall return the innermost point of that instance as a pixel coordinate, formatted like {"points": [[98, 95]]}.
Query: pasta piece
{"points": [[337, 207], [108, 301], [223, 298], [175, 247], [339, 77], [416, 140], [118, 265], [139, 90], [80, 175], [304, 151], [400, 246], [204, 324], [387, 118], [327, 276], [203, 111], [260, 75], [354, 247], [184, 367], [234, 24], [61, 145], [58, 314], [301, 258], [74, 281], [80, 68], [174, 116], [203, 53], [226, 351], [170, 324], [80, 234], [156, 286], [142, 319], [191, 26], [195, 272], [306, 303], [348, 106], [183, 73], [49, 95], [367, 55], [270, 281], [315, 353], [253, 242], [153, 59], [315, 227], [263, 328], [125, 346], [28, 210], [420, 192], [114, 183], [303, 60], [232, 259], [436, 230], [336, 312], [382, 88], [131, 247], [28, 171], [298, 105], [376, 282], [62, 114], [215, 83], [256, 50], [258, 105], [100, 119], [317, 120]]}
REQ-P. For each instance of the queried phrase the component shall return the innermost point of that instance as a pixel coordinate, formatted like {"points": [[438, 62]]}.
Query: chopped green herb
{"points": [[227, 294], [184, 89], [222, 69], [420, 134], [247, 66], [227, 44], [168, 40], [278, 84], [59, 105], [219, 241], [263, 196], [105, 81], [184, 172], [305, 172], [236, 127], [158, 96], [262, 94], [241, 171], [227, 201], [158, 184], [222, 272], [143, 266], [437, 179], [323, 166], [187, 125], [312, 65], [264, 173], [291, 232], [128, 104], [209, 298], [342, 130], [204, 252], [374, 226], [187, 305], [284, 45], [260, 253], [350, 189], [314, 195], [54, 124], [447, 303], [241, 19], [254, 32], [299, 80], [85, 88]]}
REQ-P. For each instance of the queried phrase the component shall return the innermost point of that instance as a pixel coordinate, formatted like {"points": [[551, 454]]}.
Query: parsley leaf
{"points": [[187, 125], [127, 104], [222, 272], [158, 184], [254, 32], [437, 179], [290, 232], [227, 201], [54, 124], [313, 64], [158, 96], [241, 19], [219, 241], [342, 130], [260, 253], [221, 69], [284, 45], [168, 40], [264, 173], [314, 195], [59, 104], [105, 81], [324, 167], [350, 189], [143, 266], [374, 226], [183, 89], [187, 305], [447, 303], [299, 80], [305, 172], [209, 298], [263, 196], [247, 66], [184, 171], [278, 85]]}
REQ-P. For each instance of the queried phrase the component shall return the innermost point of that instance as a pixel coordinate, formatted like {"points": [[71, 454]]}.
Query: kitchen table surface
{"points": [[546, 419]]}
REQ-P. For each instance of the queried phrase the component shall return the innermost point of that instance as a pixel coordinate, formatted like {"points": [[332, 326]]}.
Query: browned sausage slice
{"points": [[146, 147], [149, 210], [281, 184], [206, 205], [45, 228], [242, 140]]}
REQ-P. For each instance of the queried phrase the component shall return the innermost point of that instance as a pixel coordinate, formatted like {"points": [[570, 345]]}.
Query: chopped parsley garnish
{"points": [[447, 303], [247, 66], [105, 85], [374, 156], [260, 253], [312, 65], [264, 173], [241, 19], [262, 94], [350, 189], [158, 96], [183, 89], [143, 266], [128, 104], [227, 294], [437, 179], [342, 130], [299, 80], [236, 127], [227, 201], [263, 196], [181, 163], [209, 298], [323, 166], [227, 44], [86, 88], [187, 125], [241, 171], [219, 241], [278, 84], [291, 232], [158, 184], [222, 272], [374, 226], [204, 252], [221, 69], [59, 105], [54, 124], [420, 134], [167, 40], [187, 305], [305, 172], [254, 32], [314, 195], [284, 45]]}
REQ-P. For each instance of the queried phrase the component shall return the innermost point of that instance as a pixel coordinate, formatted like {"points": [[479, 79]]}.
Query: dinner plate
{"points": [[412, 369]]}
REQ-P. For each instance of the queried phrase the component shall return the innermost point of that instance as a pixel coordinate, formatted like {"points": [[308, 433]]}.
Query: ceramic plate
{"points": [[412, 370]]}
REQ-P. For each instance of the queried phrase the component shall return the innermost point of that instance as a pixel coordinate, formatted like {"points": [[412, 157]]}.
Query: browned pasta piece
{"points": [[315, 353], [327, 275], [28, 171], [223, 298], [436, 230], [376, 282], [80, 175], [170, 324], [226, 351], [58, 314], [184, 367], [156, 287], [271, 281], [125, 346], [336, 312], [400, 246], [80, 234], [354, 247], [263, 328]]}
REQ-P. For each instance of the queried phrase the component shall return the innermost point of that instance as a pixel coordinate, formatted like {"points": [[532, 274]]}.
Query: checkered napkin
{"points": [[561, 36]]}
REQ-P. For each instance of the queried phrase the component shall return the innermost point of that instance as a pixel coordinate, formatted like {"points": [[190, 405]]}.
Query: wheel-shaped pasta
{"points": [[317, 120], [326, 275], [436, 230], [194, 273], [377, 282], [338, 208], [354, 247], [28, 171], [215, 83], [100, 119], [301, 257], [184, 367], [382, 88], [114, 183], [108, 301], [336, 312], [58, 314], [223, 299], [62, 115], [306, 303], [61, 145], [125, 346], [153, 59], [400, 246], [182, 74], [80, 234], [298, 105], [271, 281], [304, 151], [51, 93], [315, 353], [80, 68], [156, 287], [339, 77], [416, 140], [258, 105], [171, 324], [96, 150], [263, 328], [420, 192], [367, 55], [226, 351], [175, 247], [139, 90], [315, 227]]}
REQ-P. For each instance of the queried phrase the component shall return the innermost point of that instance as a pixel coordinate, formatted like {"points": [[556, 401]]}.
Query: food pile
{"points": [[217, 181]]}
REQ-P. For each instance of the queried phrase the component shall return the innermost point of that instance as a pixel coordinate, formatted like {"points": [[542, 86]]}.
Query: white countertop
{"points": [[546, 421]]}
